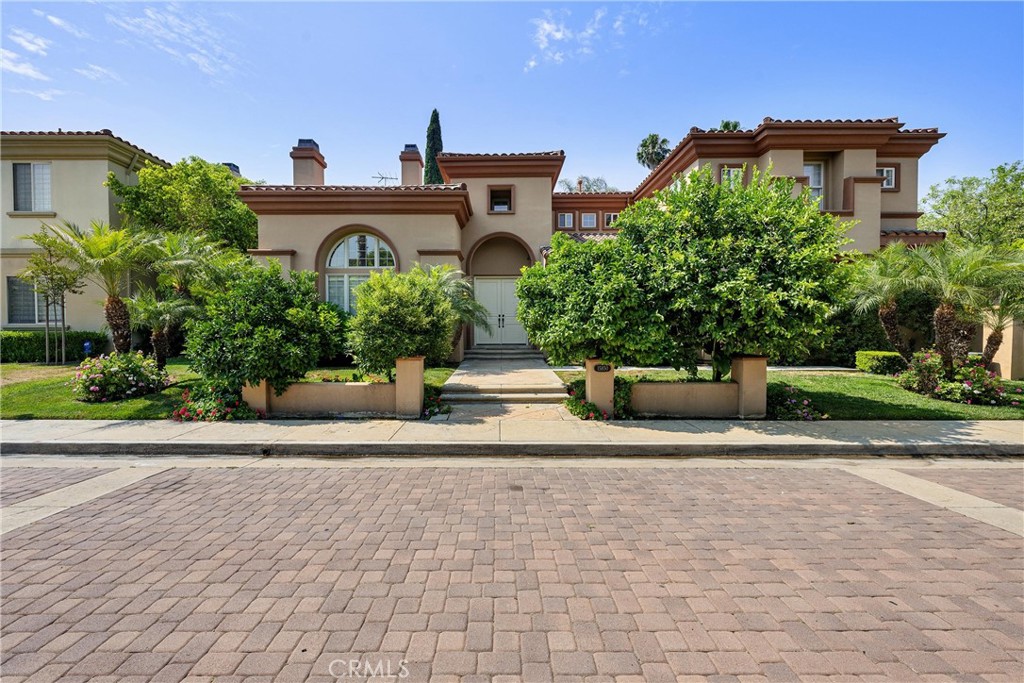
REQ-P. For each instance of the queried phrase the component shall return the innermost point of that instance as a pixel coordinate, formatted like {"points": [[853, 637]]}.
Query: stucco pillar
{"points": [[1008, 362], [409, 387], [258, 397], [751, 374], [601, 385]]}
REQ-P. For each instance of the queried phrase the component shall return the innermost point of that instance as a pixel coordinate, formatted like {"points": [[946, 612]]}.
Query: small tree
{"points": [[977, 211], [459, 292], [54, 273], [263, 327], [652, 150], [400, 315], [880, 280], [193, 196], [158, 316], [431, 173]]}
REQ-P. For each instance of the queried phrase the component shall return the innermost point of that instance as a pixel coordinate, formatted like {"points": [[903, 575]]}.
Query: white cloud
{"points": [[557, 42], [44, 95], [30, 41], [180, 32], [13, 63], [98, 73], [62, 24]]}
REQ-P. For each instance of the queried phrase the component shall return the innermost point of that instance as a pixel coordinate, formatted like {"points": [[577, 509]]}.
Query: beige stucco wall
{"points": [[784, 162], [685, 399], [904, 201], [499, 256], [531, 220], [84, 311]]}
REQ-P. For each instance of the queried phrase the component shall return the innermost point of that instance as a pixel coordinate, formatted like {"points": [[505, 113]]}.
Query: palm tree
{"points": [[180, 259], [148, 312], [652, 150], [1005, 303], [879, 281], [459, 291], [108, 256], [586, 184], [726, 124]]}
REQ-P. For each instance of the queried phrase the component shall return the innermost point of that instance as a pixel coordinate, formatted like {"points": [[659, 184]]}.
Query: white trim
{"points": [[889, 182], [583, 221], [569, 220]]}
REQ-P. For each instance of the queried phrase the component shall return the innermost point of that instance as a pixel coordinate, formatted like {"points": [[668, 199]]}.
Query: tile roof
{"points": [[506, 155], [79, 133], [911, 231], [583, 237], [343, 189], [615, 193]]}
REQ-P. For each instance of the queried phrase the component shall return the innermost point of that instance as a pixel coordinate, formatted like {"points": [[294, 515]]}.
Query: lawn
{"points": [[857, 396], [36, 391], [432, 377]]}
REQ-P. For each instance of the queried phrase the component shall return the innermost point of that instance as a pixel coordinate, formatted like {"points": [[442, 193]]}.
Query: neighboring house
{"points": [[497, 212], [49, 177]]}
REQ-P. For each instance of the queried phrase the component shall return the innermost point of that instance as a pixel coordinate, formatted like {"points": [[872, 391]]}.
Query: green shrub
{"points": [[622, 399], [28, 346], [972, 383], [213, 403], [924, 373], [880, 362], [117, 376], [400, 315], [263, 327]]}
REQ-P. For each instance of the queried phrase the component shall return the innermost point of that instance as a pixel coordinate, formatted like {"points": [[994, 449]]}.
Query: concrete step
{"points": [[504, 389], [503, 398]]}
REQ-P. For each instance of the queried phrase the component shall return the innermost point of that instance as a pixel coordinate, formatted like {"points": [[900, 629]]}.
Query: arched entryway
{"points": [[495, 263]]}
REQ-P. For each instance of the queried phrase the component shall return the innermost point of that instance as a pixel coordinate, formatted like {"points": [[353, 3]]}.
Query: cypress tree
{"points": [[432, 174]]}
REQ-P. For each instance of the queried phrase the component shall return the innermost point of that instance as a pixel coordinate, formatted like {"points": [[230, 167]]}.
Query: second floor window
{"points": [[32, 187], [565, 221], [588, 221], [610, 218], [815, 172], [888, 176], [500, 200]]}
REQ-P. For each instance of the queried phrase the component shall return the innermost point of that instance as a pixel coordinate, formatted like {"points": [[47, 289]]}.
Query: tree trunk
{"points": [[118, 321], [46, 328], [63, 329], [947, 333], [992, 344], [159, 340], [888, 315]]}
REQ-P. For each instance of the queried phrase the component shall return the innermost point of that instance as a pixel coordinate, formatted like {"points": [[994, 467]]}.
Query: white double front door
{"points": [[498, 295]]}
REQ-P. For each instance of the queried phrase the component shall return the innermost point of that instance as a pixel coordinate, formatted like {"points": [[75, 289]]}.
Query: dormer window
{"points": [[500, 198]]}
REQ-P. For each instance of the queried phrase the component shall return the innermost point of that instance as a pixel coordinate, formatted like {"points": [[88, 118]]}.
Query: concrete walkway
{"points": [[512, 430]]}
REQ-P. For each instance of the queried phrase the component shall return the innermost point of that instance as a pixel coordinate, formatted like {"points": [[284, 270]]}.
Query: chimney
{"points": [[412, 165], [308, 163], [579, 184], [233, 167]]}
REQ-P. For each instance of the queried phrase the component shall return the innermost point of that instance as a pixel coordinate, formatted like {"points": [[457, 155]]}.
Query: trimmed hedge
{"points": [[29, 346], [881, 362]]}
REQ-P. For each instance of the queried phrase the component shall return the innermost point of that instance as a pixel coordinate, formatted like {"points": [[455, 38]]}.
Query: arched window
{"points": [[349, 265]]}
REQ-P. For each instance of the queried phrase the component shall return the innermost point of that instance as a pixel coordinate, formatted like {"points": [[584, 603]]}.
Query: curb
{"points": [[414, 449]]}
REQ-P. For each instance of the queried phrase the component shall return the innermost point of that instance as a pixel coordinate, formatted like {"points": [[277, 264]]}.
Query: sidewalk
{"points": [[507, 430]]}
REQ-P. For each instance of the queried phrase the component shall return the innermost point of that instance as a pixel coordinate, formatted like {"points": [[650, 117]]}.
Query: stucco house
{"points": [[497, 212], [49, 177]]}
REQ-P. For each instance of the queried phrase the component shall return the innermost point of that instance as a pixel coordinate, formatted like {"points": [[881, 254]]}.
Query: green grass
{"points": [[432, 377], [48, 397], [857, 396]]}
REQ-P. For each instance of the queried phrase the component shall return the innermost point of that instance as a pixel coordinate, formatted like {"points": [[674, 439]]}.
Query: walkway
{"points": [[534, 570], [522, 379]]}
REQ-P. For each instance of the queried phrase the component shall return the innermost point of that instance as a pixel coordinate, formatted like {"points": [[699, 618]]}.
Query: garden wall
{"points": [[401, 398]]}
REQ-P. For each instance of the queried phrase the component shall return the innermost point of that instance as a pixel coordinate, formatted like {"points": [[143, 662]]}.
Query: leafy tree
{"points": [[589, 301], [431, 173], [158, 316], [107, 256], [652, 150], [193, 196], [400, 315], [54, 273], [586, 184], [263, 327], [979, 210]]}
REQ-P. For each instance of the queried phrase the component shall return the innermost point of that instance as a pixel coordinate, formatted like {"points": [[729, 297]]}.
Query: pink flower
{"points": [[94, 389]]}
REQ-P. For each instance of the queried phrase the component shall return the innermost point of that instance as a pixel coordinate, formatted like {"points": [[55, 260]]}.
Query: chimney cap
{"points": [[233, 167], [308, 143], [411, 148]]}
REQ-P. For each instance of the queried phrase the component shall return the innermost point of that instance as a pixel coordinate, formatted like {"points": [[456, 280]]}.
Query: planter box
{"points": [[401, 398]]}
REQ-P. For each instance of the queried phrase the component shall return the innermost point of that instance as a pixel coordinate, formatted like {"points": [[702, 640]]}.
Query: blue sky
{"points": [[241, 81]]}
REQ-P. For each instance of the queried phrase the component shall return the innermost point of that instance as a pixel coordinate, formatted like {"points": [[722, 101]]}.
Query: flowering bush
{"points": [[971, 383], [578, 405], [117, 376], [924, 373], [432, 403], [788, 403], [212, 403]]}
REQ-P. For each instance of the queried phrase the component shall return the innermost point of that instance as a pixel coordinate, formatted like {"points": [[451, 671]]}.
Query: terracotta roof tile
{"points": [[592, 194], [75, 133], [343, 189], [911, 231], [507, 155]]}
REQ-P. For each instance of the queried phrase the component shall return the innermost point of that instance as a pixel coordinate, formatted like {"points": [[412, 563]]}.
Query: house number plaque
{"points": [[602, 368]]}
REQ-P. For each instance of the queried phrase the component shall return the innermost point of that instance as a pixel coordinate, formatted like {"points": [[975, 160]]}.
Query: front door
{"points": [[498, 295]]}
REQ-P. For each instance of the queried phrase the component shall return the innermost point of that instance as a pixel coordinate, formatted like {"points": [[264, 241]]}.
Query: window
{"points": [[609, 219], [32, 187], [565, 221], [815, 172], [500, 199], [732, 175], [888, 175], [25, 306], [349, 264], [588, 221]]}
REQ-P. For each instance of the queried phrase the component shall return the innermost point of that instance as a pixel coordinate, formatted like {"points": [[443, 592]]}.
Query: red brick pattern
{"points": [[18, 484], [502, 574], [1003, 486]]}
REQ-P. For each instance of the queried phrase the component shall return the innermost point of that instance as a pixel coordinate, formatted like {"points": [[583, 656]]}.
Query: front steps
{"points": [[503, 353], [503, 374], [454, 393]]}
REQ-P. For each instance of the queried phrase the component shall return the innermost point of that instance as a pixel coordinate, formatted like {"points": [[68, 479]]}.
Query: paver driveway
{"points": [[511, 573]]}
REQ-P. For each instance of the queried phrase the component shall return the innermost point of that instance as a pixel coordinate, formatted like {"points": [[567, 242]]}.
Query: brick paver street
{"points": [[19, 484], [667, 571], [992, 485]]}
